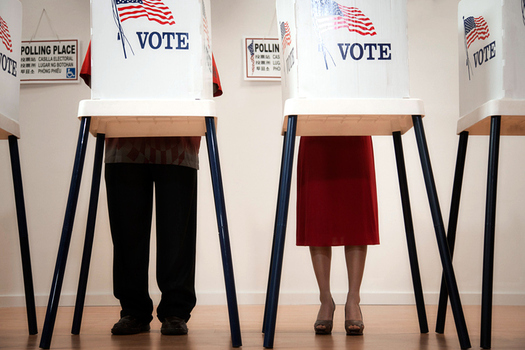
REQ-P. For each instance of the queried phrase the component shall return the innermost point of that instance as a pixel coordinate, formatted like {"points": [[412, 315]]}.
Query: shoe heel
{"points": [[324, 327], [350, 326]]}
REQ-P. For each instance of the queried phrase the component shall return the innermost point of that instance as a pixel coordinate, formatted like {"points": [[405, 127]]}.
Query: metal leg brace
{"points": [[23, 234], [452, 226], [439, 227], [65, 240], [490, 226], [279, 234], [90, 234], [409, 229], [220, 207], [273, 242]]}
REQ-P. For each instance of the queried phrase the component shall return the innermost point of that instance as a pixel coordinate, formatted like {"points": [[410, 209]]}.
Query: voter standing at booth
{"points": [[336, 186], [337, 206], [136, 168]]}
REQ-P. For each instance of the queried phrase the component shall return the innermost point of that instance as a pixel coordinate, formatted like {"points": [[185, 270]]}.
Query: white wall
{"points": [[250, 148]]}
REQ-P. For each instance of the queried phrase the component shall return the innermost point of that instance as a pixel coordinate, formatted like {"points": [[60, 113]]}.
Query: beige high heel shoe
{"points": [[324, 327], [350, 326]]}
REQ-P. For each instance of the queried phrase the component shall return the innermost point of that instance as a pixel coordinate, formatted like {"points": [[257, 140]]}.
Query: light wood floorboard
{"points": [[387, 327]]}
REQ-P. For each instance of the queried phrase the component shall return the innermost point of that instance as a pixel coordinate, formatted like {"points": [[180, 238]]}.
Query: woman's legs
{"points": [[321, 261], [355, 265]]}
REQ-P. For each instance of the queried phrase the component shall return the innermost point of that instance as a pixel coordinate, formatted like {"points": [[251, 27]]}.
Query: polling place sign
{"points": [[49, 61], [262, 59]]}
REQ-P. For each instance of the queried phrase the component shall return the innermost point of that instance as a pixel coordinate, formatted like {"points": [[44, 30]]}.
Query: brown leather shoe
{"points": [[174, 326]]}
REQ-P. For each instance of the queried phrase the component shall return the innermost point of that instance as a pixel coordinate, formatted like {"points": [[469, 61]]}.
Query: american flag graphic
{"points": [[285, 35], [154, 10], [252, 54], [205, 25], [329, 15], [4, 34], [476, 28]]}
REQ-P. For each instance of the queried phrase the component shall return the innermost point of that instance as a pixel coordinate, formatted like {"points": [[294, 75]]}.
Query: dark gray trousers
{"points": [[130, 189]]}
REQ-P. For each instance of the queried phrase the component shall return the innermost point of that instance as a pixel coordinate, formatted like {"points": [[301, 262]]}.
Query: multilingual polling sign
{"points": [[262, 59], [49, 61]]}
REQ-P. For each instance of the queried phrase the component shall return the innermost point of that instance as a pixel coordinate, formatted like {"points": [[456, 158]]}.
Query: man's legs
{"points": [[176, 215], [130, 192]]}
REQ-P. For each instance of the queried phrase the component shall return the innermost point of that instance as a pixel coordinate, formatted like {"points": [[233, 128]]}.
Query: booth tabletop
{"points": [[512, 114], [147, 118], [340, 117], [8, 127]]}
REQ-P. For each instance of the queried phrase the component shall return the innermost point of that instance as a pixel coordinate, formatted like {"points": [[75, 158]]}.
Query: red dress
{"points": [[336, 192]]}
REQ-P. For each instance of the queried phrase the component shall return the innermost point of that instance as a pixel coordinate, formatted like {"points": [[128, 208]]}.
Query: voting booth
{"points": [[491, 71], [341, 50], [345, 72], [151, 68], [163, 54], [151, 75], [11, 37], [337, 55], [491, 38], [10, 43]]}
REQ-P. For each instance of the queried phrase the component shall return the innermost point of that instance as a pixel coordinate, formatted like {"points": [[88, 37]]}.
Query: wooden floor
{"points": [[387, 327]]}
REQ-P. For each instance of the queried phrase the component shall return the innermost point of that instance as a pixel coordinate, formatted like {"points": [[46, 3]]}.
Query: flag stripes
{"points": [[4, 34], [476, 28], [337, 16], [154, 10], [285, 35]]}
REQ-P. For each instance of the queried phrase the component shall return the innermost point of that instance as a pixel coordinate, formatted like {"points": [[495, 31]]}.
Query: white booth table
{"points": [[11, 26], [492, 102], [172, 97], [342, 79]]}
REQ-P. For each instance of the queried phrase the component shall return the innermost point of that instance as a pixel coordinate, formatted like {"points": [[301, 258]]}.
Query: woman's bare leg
{"points": [[321, 261], [355, 265]]}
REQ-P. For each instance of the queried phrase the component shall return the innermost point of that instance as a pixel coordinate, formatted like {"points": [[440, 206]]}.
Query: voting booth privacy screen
{"points": [[343, 49], [491, 52], [10, 41], [151, 50]]}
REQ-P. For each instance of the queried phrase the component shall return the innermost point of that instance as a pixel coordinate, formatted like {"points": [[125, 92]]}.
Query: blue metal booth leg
{"points": [[452, 226], [90, 234], [220, 207], [273, 243], [490, 225], [409, 229], [23, 234], [58, 276], [439, 227], [274, 282]]}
